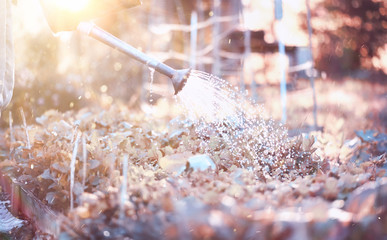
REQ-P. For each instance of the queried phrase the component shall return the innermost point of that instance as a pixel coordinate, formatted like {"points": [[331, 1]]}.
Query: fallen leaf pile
{"points": [[323, 188]]}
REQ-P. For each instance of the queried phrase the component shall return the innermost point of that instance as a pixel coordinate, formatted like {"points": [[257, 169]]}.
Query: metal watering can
{"points": [[69, 15]]}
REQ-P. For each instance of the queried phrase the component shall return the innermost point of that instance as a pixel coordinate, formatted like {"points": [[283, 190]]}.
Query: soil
{"points": [[336, 187]]}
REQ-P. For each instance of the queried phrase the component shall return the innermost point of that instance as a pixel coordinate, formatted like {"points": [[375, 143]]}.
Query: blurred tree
{"points": [[350, 34]]}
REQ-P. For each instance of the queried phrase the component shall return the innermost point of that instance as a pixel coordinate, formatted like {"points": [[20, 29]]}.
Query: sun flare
{"points": [[72, 5]]}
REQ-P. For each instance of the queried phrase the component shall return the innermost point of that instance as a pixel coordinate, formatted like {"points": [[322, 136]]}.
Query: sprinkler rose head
{"points": [[179, 79]]}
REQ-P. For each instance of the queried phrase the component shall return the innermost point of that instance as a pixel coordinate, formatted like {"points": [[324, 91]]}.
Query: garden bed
{"points": [[335, 189]]}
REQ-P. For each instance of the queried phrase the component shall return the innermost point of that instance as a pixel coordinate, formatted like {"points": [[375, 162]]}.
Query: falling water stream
{"points": [[84, 156], [11, 136], [152, 74], [123, 193], [25, 128], [216, 108], [72, 169]]}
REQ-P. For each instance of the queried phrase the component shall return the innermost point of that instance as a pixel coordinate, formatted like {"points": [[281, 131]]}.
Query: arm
{"points": [[65, 15]]}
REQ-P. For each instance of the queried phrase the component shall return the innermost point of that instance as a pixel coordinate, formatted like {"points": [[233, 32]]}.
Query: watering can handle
{"points": [[62, 17]]}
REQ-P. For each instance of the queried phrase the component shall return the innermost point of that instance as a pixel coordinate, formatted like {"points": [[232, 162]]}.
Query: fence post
{"points": [[215, 38], [194, 36], [281, 47], [312, 71]]}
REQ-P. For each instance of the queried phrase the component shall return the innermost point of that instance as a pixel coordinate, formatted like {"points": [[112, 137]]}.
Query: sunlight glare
{"points": [[72, 5]]}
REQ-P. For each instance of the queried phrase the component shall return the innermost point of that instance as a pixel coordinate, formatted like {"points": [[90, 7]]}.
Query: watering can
{"points": [[69, 15]]}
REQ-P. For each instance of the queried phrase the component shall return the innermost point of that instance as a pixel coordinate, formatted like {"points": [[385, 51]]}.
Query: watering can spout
{"points": [[178, 77]]}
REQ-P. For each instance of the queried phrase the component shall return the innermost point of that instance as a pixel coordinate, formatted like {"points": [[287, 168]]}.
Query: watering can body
{"points": [[61, 16]]}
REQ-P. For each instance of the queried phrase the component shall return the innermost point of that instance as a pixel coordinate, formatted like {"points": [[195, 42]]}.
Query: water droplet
{"points": [[215, 107], [103, 88], [106, 233]]}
